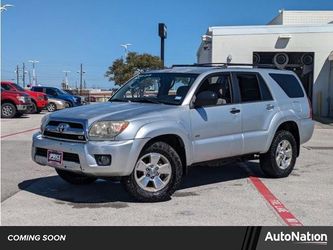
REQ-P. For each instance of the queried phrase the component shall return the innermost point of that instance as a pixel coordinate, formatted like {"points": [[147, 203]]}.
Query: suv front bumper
{"points": [[22, 107], [124, 155]]}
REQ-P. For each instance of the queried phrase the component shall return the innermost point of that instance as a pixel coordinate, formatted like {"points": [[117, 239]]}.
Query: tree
{"points": [[121, 71]]}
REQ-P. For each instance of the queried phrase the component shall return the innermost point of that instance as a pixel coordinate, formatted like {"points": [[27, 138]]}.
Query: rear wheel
{"points": [[51, 107], [280, 160], [156, 175], [8, 110], [75, 178]]}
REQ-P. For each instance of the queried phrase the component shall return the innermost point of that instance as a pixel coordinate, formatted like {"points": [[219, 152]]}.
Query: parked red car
{"points": [[14, 103], [39, 100]]}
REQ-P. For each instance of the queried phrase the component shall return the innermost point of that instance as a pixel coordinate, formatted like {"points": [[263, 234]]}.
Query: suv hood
{"points": [[116, 111]]}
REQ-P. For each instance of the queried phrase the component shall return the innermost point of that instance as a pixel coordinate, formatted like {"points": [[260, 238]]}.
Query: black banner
{"points": [[244, 238]]}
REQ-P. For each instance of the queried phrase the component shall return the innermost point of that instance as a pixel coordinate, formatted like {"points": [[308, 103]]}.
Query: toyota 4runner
{"points": [[161, 122]]}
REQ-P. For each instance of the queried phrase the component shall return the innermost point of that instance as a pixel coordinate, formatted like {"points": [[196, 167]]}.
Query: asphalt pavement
{"points": [[235, 194]]}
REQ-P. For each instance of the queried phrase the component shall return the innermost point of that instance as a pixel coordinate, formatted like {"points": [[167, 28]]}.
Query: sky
{"points": [[62, 34]]}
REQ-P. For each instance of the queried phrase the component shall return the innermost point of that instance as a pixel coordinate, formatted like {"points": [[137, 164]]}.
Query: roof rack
{"points": [[226, 65]]}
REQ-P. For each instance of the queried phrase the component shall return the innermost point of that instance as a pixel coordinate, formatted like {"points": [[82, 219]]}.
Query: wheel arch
{"points": [[176, 142], [292, 127]]}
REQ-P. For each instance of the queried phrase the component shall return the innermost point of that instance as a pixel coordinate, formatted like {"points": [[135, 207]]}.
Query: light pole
{"points": [[5, 6], [34, 77], [162, 32], [66, 77], [81, 72], [125, 46]]}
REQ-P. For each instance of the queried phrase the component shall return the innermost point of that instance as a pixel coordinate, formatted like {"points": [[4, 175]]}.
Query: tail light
{"points": [[310, 109]]}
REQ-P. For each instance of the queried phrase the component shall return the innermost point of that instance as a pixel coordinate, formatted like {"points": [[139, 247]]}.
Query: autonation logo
{"points": [[297, 237]]}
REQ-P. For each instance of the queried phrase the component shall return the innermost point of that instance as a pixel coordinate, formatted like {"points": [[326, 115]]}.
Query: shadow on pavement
{"points": [[103, 191]]}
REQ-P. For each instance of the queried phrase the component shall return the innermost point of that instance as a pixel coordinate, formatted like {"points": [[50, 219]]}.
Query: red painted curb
{"points": [[277, 205], [17, 133]]}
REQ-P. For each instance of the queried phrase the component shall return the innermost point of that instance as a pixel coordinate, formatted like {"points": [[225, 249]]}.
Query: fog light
{"points": [[103, 160]]}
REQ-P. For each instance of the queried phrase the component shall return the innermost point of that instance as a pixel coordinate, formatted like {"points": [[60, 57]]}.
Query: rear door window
{"points": [[249, 87], [289, 84]]}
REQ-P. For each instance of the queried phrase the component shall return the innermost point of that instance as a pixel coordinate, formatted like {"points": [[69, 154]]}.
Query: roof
{"points": [[200, 70], [269, 29]]}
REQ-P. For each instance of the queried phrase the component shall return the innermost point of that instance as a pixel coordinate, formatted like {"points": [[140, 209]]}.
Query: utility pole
{"points": [[29, 74], [23, 76], [66, 78], [17, 75], [81, 72], [34, 77], [84, 84]]}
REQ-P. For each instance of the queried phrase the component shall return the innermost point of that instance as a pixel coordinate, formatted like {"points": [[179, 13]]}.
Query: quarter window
{"points": [[289, 84]]}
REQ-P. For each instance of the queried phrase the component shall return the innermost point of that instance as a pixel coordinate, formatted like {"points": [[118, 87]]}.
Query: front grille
{"points": [[65, 136], [70, 131], [67, 156], [71, 124]]}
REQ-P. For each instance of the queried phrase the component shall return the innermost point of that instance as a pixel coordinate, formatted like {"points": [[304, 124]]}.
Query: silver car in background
{"points": [[56, 104], [161, 122]]}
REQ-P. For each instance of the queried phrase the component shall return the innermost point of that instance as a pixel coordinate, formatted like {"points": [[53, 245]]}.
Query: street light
{"points": [[34, 77], [5, 6], [125, 46], [66, 78]]}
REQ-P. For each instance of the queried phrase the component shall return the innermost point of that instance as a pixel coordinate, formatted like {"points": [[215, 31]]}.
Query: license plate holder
{"points": [[55, 158]]}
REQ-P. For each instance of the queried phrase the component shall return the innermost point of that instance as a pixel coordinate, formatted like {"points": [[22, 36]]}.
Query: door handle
{"points": [[270, 106], [234, 111]]}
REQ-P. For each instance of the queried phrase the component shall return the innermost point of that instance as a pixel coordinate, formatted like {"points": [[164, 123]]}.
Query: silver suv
{"points": [[161, 122]]}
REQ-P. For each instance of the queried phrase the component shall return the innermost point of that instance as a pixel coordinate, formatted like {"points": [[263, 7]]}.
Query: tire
{"points": [[8, 110], [51, 107], [153, 185], [280, 159], [74, 178], [32, 109]]}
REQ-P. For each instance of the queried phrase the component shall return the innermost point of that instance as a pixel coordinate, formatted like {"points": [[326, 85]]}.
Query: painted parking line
{"points": [[272, 200], [275, 203], [17, 133]]}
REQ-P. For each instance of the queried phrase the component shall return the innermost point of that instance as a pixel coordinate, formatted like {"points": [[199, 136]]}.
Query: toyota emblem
{"points": [[62, 127]]}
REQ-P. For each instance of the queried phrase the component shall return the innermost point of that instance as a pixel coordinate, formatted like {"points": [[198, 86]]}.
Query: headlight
{"points": [[107, 129], [43, 122], [21, 98]]}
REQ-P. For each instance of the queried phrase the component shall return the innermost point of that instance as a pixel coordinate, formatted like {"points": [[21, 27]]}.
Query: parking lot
{"points": [[236, 194]]}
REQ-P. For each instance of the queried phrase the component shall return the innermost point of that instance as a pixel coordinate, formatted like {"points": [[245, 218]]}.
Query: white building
{"points": [[297, 40]]}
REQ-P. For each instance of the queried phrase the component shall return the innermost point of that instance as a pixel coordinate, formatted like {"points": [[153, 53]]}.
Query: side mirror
{"points": [[206, 98]]}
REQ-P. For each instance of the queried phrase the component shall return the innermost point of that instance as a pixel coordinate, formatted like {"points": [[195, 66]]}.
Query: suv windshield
{"points": [[167, 88]]}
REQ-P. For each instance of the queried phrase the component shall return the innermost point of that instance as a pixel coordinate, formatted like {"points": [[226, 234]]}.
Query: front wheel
{"points": [[75, 178], [8, 110], [280, 160], [156, 175]]}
